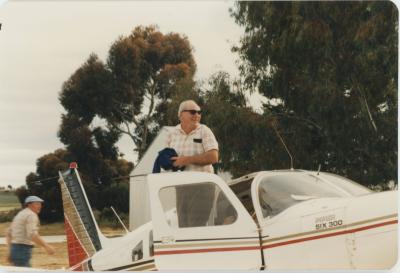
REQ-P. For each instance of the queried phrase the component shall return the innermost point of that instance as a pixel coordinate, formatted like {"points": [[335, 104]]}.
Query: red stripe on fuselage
{"points": [[222, 249], [168, 252], [330, 234]]}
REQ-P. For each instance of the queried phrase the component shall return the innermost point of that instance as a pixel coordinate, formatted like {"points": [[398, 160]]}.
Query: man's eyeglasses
{"points": [[193, 112]]}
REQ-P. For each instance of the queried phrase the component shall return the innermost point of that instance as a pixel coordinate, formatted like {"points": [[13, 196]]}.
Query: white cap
{"points": [[33, 198]]}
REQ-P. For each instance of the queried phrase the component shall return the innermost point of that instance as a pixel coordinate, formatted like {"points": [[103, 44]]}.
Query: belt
{"points": [[23, 245]]}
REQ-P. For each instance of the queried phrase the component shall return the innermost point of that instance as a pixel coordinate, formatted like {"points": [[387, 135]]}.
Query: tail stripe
{"points": [[81, 204], [78, 221], [76, 252]]}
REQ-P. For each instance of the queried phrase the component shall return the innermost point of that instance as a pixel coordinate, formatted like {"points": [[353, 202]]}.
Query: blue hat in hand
{"points": [[33, 198]]}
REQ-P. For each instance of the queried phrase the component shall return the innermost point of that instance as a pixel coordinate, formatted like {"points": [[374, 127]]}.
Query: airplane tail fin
{"points": [[83, 234]]}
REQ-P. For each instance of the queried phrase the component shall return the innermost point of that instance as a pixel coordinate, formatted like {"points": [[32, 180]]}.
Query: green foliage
{"points": [[85, 92], [108, 218], [126, 94], [147, 66], [246, 143], [329, 71], [43, 183], [8, 216], [166, 113], [117, 196], [22, 192]]}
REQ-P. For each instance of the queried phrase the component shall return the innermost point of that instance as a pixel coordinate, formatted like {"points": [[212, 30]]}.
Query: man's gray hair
{"points": [[184, 104]]}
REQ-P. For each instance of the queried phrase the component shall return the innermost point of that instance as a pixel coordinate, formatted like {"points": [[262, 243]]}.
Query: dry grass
{"points": [[40, 259], [52, 229], [8, 207], [112, 232], [48, 229], [58, 229], [3, 228]]}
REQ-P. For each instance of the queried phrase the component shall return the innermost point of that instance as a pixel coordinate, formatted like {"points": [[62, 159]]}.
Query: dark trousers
{"points": [[21, 255]]}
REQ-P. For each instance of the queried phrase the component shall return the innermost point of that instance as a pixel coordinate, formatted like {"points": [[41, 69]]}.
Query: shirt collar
{"points": [[179, 127]]}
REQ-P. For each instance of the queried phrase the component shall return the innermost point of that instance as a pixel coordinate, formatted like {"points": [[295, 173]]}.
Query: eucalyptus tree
{"points": [[126, 94], [329, 71]]}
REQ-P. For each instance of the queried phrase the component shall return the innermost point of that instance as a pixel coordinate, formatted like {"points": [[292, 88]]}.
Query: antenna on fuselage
{"points": [[119, 219], [273, 124]]}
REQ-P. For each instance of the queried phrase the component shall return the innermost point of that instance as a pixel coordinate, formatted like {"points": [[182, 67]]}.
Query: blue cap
{"points": [[33, 198]]}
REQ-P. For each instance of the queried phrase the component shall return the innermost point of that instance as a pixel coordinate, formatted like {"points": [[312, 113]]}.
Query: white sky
{"points": [[43, 43]]}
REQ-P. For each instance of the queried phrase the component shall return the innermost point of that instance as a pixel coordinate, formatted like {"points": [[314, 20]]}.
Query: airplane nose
{"points": [[372, 223]]}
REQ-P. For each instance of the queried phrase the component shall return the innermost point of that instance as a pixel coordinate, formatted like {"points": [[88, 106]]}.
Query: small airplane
{"points": [[268, 220]]}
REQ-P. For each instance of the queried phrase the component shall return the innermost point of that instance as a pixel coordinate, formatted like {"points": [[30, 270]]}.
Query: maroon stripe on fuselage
{"points": [[219, 249], [330, 234], [223, 249]]}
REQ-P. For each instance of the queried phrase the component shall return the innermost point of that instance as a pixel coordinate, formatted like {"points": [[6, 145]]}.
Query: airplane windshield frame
{"points": [[346, 184]]}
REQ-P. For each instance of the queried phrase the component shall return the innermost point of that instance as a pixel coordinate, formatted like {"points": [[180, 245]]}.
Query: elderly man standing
{"points": [[197, 150], [23, 233], [195, 143]]}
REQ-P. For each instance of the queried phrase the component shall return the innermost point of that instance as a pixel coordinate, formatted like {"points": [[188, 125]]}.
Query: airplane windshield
{"points": [[276, 193], [346, 184]]}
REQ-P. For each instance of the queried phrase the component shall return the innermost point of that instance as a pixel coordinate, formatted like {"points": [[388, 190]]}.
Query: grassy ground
{"points": [[8, 201]]}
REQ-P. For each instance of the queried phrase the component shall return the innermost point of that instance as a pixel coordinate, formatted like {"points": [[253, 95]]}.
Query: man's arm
{"points": [[37, 239], [8, 236], [206, 158], [33, 233]]}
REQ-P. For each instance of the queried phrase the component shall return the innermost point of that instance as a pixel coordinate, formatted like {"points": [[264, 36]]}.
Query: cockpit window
{"points": [[276, 193], [196, 205]]}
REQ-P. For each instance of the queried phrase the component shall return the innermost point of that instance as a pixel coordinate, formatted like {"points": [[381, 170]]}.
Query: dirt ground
{"points": [[40, 259]]}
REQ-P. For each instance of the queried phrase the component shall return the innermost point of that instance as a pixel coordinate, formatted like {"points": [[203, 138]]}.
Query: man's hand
{"points": [[49, 249], [38, 240], [180, 161]]}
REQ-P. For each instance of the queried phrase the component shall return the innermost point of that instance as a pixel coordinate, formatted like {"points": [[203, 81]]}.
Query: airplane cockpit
{"points": [[277, 192]]}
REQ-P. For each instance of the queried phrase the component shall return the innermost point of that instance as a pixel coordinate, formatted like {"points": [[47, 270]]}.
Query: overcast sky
{"points": [[43, 43]]}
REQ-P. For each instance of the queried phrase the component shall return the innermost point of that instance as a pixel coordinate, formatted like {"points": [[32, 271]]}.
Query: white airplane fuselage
{"points": [[267, 220]]}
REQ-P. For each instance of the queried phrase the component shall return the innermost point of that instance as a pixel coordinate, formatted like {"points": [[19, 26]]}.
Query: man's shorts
{"points": [[21, 255]]}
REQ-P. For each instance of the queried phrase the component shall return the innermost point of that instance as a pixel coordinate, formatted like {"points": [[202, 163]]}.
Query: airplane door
{"points": [[199, 224]]}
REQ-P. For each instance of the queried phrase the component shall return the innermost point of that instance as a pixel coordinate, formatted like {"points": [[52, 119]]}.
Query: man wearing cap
{"points": [[23, 233], [197, 150]]}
